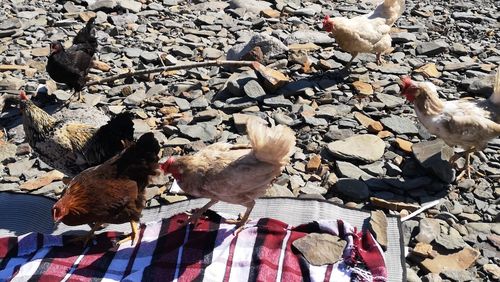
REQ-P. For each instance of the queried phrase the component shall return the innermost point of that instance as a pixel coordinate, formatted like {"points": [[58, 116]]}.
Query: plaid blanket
{"points": [[166, 251]]}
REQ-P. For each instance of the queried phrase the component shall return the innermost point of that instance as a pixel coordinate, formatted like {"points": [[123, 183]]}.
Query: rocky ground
{"points": [[359, 143]]}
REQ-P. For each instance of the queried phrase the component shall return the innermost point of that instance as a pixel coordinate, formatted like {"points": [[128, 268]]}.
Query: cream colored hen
{"points": [[470, 124], [367, 33], [236, 174]]}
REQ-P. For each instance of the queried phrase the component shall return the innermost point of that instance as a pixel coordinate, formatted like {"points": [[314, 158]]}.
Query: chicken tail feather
{"points": [[140, 161], [86, 37], [495, 97], [110, 138], [271, 145]]}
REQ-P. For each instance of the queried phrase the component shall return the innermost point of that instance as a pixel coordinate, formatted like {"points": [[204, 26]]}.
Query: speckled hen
{"points": [[71, 147]]}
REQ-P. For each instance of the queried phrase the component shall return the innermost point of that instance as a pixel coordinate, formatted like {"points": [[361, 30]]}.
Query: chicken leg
{"points": [[132, 236], [86, 238], [199, 212], [243, 220], [380, 60], [350, 61]]}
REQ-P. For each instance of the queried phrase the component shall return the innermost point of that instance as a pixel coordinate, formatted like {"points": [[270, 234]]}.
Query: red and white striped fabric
{"points": [[210, 252]]}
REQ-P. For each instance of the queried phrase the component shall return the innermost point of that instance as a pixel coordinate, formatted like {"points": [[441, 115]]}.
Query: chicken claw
{"points": [[193, 219], [380, 60], [240, 222], [132, 236]]}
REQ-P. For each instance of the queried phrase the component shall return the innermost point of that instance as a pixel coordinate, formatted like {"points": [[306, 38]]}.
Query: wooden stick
{"points": [[172, 68]]}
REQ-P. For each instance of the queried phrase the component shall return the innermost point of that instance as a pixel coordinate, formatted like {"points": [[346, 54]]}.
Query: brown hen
{"points": [[112, 192]]}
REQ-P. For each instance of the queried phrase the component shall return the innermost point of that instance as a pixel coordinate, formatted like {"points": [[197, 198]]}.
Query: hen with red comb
{"points": [[367, 33], [469, 124]]}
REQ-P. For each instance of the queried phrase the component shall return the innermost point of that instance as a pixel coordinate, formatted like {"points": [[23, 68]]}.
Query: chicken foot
{"points": [[380, 60], [193, 219], [242, 220], [132, 236], [468, 167], [86, 238], [80, 99], [350, 61]]}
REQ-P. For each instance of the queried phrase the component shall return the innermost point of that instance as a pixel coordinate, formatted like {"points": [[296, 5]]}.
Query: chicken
{"points": [[366, 33], [72, 147], [112, 192], [236, 174], [72, 65], [469, 124]]}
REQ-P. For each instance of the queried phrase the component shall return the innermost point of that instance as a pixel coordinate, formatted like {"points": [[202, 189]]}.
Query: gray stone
{"points": [[390, 101], [400, 125], [132, 52], [431, 48], [212, 53], [309, 36], [270, 46], [278, 191], [451, 242], [183, 104], [482, 86], [348, 170], [411, 276], [253, 90], [136, 98], [403, 37], [202, 131], [182, 51], [7, 151], [459, 275], [149, 57], [102, 4], [366, 148], [433, 156], [394, 69], [19, 167], [253, 6], [278, 102], [429, 229], [131, 5], [353, 189]]}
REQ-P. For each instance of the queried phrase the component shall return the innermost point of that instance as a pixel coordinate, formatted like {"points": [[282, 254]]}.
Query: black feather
{"points": [[140, 160], [108, 139], [72, 65]]}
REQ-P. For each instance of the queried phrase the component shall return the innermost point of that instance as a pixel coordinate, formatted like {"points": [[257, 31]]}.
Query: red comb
{"points": [[23, 96], [325, 19], [407, 82], [166, 165]]}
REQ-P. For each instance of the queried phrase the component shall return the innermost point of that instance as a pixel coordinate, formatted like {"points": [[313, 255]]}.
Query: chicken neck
{"points": [[37, 123], [428, 104]]}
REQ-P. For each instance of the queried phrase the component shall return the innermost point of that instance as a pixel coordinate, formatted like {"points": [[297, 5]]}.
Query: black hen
{"points": [[72, 65]]}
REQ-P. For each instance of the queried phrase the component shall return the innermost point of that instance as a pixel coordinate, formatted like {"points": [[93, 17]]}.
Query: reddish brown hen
{"points": [[112, 192], [236, 174]]}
